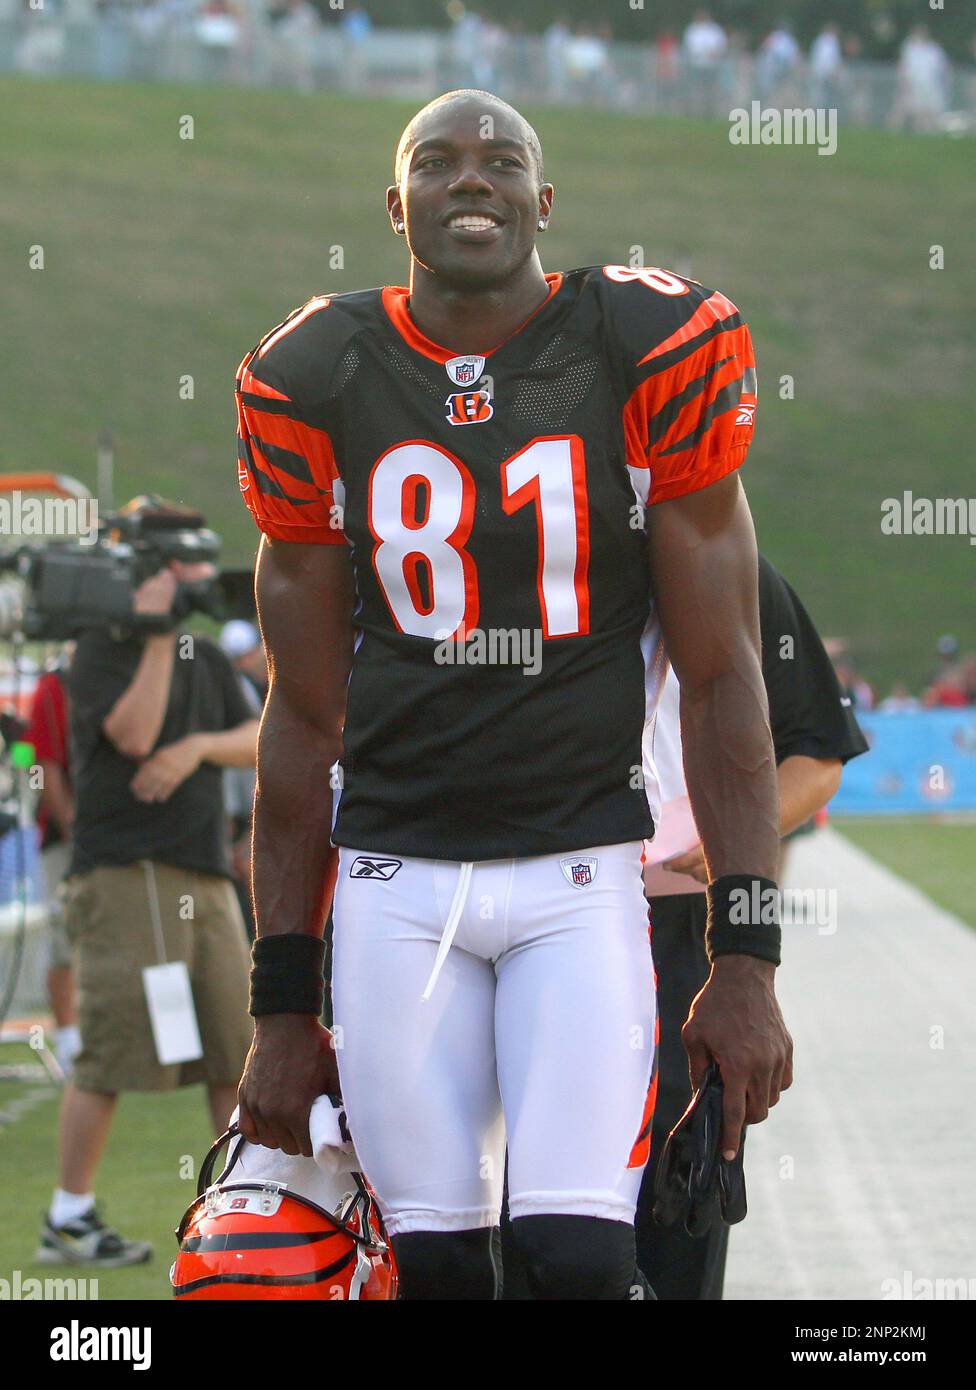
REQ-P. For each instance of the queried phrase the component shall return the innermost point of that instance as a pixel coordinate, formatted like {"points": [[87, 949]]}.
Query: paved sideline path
{"points": [[883, 1186]]}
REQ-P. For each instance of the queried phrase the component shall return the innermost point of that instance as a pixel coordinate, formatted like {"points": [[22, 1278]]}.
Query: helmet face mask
{"points": [[264, 1240]]}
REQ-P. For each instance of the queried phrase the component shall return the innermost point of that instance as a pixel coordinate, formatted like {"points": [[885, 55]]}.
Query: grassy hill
{"points": [[166, 257]]}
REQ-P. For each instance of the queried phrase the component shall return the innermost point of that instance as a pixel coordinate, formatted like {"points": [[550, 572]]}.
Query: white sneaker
{"points": [[88, 1241]]}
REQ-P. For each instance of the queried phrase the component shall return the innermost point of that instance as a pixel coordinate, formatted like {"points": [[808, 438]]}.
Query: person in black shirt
{"points": [[814, 733], [171, 810], [153, 721]]}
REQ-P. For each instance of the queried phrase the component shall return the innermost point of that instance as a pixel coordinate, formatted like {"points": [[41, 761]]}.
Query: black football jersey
{"points": [[494, 505]]}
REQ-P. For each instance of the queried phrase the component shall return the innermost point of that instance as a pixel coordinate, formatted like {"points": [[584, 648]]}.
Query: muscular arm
{"points": [[704, 574], [703, 570], [305, 602]]}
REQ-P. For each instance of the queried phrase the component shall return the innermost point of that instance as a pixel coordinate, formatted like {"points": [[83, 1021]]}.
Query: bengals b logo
{"points": [[469, 407]]}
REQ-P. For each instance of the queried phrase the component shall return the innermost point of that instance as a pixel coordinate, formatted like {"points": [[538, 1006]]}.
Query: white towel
{"points": [[315, 1178]]}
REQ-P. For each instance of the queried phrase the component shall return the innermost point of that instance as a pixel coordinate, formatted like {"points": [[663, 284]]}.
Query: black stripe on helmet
{"points": [[255, 1240], [280, 1281]]}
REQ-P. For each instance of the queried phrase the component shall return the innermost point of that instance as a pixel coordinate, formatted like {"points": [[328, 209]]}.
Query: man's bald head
{"points": [[486, 103]]}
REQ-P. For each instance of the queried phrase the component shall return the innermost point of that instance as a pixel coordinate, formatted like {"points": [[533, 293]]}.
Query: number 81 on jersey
{"points": [[421, 510]]}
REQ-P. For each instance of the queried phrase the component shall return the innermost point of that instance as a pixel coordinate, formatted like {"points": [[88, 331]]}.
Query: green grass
{"points": [[937, 856], [155, 1138], [165, 257]]}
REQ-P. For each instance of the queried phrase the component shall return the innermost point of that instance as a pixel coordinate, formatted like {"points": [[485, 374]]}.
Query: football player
{"points": [[484, 498]]}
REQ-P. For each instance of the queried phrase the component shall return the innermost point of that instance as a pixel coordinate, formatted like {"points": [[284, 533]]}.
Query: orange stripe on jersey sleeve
{"points": [[691, 423], [299, 455], [715, 307], [251, 386], [288, 475]]}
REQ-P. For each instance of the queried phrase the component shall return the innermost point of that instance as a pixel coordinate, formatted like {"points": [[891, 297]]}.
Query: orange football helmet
{"points": [[261, 1240]]}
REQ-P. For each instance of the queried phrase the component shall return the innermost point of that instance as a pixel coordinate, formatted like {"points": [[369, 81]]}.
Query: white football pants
{"points": [[538, 1020]]}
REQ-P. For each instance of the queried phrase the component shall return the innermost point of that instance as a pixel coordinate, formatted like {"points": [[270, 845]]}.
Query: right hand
{"points": [[155, 594], [291, 1063], [736, 1021]]}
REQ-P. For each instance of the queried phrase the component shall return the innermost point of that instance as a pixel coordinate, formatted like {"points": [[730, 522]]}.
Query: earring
{"points": [[399, 228], [542, 225]]}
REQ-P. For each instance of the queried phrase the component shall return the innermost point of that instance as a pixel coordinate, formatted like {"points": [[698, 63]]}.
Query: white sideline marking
{"points": [[23, 1104], [883, 1180]]}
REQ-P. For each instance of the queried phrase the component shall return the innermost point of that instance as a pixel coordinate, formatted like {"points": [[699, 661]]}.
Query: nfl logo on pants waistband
{"points": [[579, 872]]}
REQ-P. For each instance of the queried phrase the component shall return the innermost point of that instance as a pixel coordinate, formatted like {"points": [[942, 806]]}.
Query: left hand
{"points": [[691, 862], [735, 1020], [163, 771]]}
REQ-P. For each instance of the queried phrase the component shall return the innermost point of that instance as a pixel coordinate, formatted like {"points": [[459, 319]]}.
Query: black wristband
{"points": [[743, 917], [286, 974]]}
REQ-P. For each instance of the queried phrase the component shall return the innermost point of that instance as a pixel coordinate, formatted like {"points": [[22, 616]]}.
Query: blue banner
{"points": [[922, 761]]}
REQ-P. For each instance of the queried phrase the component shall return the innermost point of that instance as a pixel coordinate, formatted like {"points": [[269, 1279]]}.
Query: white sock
{"points": [[68, 1206], [67, 1045]]}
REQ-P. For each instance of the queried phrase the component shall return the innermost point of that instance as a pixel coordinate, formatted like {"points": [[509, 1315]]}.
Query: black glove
{"points": [[693, 1180]]}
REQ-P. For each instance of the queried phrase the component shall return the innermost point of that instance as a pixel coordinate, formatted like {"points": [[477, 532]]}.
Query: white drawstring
{"points": [[149, 870], [451, 926]]}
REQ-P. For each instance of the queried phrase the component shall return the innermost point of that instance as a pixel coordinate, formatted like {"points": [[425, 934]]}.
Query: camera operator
{"points": [[154, 720]]}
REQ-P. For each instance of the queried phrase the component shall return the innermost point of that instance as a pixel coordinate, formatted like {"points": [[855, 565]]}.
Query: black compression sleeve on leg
{"points": [[576, 1257], [448, 1265]]}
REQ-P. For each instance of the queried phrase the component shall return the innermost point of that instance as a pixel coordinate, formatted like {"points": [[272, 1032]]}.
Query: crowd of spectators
{"points": [[706, 69], [951, 684]]}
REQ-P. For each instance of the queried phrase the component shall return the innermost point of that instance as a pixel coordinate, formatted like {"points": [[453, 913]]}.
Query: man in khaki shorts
{"points": [[110, 918], [154, 719]]}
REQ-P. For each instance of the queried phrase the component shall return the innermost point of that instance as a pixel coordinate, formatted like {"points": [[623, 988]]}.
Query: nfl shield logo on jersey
{"points": [[464, 370], [579, 872]]}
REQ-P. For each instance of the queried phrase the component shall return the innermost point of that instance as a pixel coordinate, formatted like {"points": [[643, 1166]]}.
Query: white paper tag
{"points": [[171, 1012]]}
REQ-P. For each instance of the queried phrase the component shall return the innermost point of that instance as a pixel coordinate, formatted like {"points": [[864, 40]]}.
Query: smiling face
{"points": [[470, 192]]}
